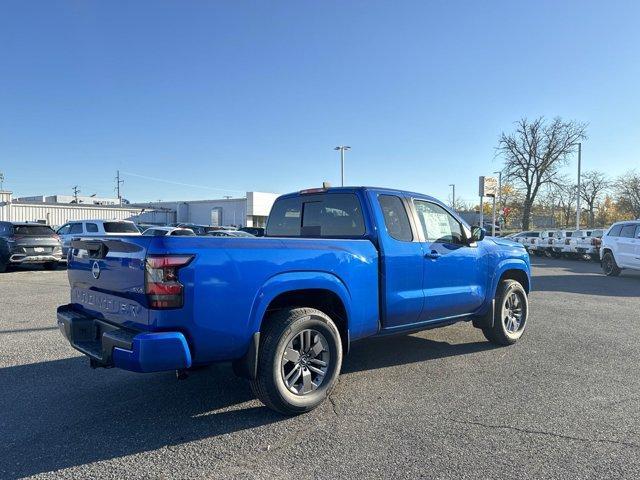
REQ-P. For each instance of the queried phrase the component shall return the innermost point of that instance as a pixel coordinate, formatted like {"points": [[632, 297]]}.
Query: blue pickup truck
{"points": [[336, 265]]}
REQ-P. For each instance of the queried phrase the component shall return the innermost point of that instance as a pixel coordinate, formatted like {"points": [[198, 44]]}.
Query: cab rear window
{"points": [[120, 227], [332, 215]]}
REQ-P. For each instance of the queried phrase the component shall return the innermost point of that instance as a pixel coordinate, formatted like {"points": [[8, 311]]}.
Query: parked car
{"points": [[168, 231], [540, 242], [94, 228], [142, 227], [255, 231], [588, 246], [230, 233], [337, 265], [198, 229], [29, 243], [620, 248], [561, 244]]}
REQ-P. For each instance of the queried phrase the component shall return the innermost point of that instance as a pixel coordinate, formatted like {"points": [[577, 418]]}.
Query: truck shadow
{"points": [[61, 414]]}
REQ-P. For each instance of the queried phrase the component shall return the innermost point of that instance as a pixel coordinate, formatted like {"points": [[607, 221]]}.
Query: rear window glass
{"points": [[329, 215], [534, 234], [120, 227], [628, 231], [395, 218], [615, 231], [32, 230]]}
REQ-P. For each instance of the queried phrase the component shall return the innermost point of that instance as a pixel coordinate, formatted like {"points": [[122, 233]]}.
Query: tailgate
{"points": [[107, 278]]}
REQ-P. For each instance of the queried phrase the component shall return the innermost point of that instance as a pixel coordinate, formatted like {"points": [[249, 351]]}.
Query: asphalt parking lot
{"points": [[562, 403]]}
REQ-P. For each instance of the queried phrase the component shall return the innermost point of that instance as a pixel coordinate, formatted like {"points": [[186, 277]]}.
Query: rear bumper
{"points": [[19, 258], [108, 345]]}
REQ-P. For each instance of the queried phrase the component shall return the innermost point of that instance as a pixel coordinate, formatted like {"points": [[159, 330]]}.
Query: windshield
{"points": [[120, 227], [33, 230]]}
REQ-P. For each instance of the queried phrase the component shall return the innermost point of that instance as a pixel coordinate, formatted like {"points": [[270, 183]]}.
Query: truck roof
{"points": [[356, 189]]}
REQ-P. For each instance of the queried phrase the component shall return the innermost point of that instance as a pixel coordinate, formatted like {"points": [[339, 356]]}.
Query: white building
{"points": [[249, 211], [88, 200], [56, 214]]}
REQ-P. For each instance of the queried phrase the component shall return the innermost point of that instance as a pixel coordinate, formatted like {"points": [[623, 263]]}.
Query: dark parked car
{"points": [[255, 231], [22, 243], [229, 233], [198, 229]]}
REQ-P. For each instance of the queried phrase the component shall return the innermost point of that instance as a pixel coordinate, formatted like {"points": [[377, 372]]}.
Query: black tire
{"points": [[499, 333], [280, 329], [609, 265], [3, 266], [50, 265]]}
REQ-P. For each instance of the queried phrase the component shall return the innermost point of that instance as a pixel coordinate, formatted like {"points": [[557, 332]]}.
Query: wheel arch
{"points": [[321, 290]]}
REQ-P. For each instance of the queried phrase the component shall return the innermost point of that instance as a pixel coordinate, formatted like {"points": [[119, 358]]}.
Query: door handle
{"points": [[433, 255]]}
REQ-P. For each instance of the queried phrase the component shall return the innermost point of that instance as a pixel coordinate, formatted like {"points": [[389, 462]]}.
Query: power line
{"points": [[180, 183]]}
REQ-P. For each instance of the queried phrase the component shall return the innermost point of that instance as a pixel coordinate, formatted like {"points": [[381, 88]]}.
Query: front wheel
{"points": [[609, 265], [299, 360], [510, 315]]}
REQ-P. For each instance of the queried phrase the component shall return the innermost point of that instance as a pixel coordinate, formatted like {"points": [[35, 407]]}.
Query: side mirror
{"points": [[477, 234]]}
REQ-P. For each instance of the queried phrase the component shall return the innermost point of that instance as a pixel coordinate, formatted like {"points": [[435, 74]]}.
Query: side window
{"points": [[5, 228], [63, 230], [615, 231], [395, 218], [628, 231], [437, 224], [638, 231], [75, 228], [91, 227]]}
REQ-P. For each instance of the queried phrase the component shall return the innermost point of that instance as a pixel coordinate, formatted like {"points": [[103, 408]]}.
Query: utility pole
{"points": [[118, 183], [342, 149], [453, 196], [1, 180], [578, 201], [76, 191], [493, 225]]}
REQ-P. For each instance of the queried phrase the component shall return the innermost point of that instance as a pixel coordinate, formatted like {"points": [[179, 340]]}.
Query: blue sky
{"points": [[240, 95]]}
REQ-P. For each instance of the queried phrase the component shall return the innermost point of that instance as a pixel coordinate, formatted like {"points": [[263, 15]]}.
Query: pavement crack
{"points": [[542, 432], [333, 406]]}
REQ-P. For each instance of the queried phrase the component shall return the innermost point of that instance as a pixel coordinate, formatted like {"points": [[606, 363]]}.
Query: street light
{"points": [[493, 225], [453, 196], [342, 149], [578, 201]]}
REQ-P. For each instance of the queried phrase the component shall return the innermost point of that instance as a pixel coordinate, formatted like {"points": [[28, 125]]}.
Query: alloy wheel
{"points": [[305, 362]]}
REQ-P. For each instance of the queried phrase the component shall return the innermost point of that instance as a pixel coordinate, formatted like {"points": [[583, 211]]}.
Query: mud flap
{"points": [[247, 365]]}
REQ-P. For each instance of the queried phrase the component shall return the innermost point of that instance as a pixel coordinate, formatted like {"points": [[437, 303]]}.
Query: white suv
{"points": [[94, 228], [621, 248]]}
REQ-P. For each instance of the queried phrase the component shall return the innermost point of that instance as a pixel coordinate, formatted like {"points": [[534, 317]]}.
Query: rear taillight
{"points": [[161, 280]]}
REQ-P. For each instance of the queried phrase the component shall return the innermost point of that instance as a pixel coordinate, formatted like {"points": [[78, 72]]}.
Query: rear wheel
{"points": [[609, 265], [510, 315], [299, 360]]}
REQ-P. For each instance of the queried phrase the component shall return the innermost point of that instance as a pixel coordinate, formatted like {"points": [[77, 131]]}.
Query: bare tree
{"points": [[593, 185], [534, 153], [627, 188]]}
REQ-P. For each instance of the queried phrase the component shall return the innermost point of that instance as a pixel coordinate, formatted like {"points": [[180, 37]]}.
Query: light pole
{"points": [[1, 180], [453, 196], [342, 149], [493, 225], [578, 200]]}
